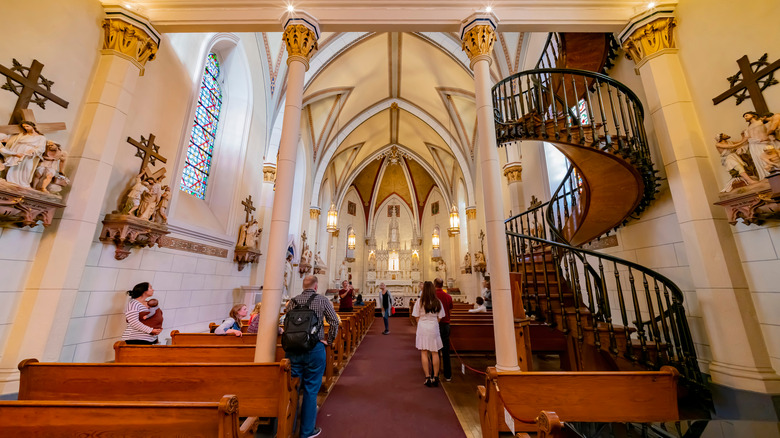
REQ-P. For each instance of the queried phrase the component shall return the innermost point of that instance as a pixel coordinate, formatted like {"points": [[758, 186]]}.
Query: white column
{"points": [[739, 355], [43, 314], [264, 216], [300, 34], [478, 34]]}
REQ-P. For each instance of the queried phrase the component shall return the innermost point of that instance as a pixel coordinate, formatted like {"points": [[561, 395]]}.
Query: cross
{"points": [[248, 207], [147, 151], [482, 240], [750, 83], [29, 88]]}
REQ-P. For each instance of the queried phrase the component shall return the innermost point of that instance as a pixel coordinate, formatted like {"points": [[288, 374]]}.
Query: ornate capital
{"points": [[513, 172], [314, 213], [649, 33], [269, 173], [301, 32], [471, 213], [129, 35], [477, 34]]}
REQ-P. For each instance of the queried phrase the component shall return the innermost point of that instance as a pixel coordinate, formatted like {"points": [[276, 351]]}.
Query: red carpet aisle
{"points": [[381, 392]]}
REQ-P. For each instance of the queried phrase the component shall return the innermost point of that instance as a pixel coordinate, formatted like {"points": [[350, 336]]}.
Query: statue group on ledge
{"points": [[30, 160], [148, 199], [756, 155]]}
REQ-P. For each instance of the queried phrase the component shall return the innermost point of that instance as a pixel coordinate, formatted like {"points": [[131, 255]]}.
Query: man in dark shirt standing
{"points": [[310, 365], [444, 327], [345, 296]]}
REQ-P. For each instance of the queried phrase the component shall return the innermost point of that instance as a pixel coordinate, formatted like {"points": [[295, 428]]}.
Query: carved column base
{"points": [[753, 204], [127, 232], [25, 207], [244, 255]]}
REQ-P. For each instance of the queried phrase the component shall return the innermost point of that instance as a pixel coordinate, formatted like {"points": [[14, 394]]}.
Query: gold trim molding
{"points": [[129, 40], [190, 246], [650, 39], [514, 173]]}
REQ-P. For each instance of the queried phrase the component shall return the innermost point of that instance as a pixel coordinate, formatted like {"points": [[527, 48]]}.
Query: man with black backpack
{"points": [[304, 344]]}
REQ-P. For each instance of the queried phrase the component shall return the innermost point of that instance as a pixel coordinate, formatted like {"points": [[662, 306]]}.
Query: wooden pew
{"points": [[124, 353], [179, 338], [264, 389], [120, 419], [645, 396]]}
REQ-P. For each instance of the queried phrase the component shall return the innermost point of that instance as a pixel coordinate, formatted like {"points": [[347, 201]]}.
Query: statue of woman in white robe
{"points": [[22, 153]]}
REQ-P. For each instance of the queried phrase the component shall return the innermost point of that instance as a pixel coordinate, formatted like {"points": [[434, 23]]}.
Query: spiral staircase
{"points": [[612, 314]]}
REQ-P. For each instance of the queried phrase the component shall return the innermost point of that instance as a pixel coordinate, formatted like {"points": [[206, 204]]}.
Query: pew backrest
{"points": [[132, 420]]}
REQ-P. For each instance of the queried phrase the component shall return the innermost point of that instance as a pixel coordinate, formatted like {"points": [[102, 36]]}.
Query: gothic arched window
{"points": [[195, 177]]}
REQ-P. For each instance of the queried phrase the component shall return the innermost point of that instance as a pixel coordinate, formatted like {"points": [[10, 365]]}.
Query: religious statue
{"points": [[757, 138], [770, 159], [162, 205], [48, 176], [734, 164], [288, 274], [253, 231], [442, 268], [319, 262], [467, 260], [372, 261], [133, 199], [150, 198], [343, 272], [772, 122], [21, 154], [306, 257]]}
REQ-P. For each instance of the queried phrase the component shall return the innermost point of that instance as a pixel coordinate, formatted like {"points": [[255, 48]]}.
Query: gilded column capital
{"points": [[301, 32], [129, 35], [314, 213], [477, 35], [649, 33], [269, 173], [513, 172], [471, 213]]}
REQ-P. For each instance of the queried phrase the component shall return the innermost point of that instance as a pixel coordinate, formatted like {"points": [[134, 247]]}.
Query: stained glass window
{"points": [[582, 107], [195, 177]]}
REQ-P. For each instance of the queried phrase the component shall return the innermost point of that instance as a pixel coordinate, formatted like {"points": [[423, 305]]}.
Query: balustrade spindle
{"points": [[581, 140], [640, 327], [614, 119], [607, 139]]}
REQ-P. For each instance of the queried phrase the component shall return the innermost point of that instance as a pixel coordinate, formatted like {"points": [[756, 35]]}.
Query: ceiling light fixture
{"points": [[290, 8], [651, 5]]}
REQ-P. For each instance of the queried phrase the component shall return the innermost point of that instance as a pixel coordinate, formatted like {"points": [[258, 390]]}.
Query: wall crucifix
{"points": [[248, 207], [148, 152], [31, 88], [752, 84]]}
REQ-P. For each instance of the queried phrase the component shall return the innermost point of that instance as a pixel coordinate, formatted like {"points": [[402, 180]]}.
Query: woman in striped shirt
{"points": [[136, 332]]}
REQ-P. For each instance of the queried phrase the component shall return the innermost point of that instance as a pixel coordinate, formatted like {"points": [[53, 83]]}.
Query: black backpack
{"points": [[301, 328]]}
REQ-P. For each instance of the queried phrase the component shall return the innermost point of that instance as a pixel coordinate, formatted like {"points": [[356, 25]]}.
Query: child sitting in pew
{"points": [[154, 316], [479, 307], [254, 319]]}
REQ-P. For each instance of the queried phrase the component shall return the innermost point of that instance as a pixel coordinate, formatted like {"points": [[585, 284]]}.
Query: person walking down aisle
{"points": [[387, 306], [309, 366], [444, 327], [136, 332], [429, 310]]}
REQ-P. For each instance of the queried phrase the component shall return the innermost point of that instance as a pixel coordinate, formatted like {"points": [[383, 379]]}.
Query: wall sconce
{"points": [[333, 218], [454, 222]]}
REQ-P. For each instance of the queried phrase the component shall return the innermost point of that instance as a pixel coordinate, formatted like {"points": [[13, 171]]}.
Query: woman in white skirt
{"points": [[428, 310]]}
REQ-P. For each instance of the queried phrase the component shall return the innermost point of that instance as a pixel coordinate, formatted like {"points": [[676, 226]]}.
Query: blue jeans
{"points": [[386, 318], [310, 367]]}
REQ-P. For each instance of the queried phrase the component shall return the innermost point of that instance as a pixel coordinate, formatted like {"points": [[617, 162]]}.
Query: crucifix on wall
{"points": [[756, 77], [248, 207], [31, 87], [149, 153]]}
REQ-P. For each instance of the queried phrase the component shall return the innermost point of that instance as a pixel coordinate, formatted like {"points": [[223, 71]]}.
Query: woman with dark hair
{"points": [[137, 332], [429, 310], [232, 325]]}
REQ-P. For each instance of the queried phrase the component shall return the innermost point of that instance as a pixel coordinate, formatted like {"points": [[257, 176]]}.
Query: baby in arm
{"points": [[154, 316]]}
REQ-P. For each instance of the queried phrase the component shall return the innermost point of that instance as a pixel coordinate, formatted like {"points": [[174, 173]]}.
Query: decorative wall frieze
{"points": [[25, 207], [513, 172], [130, 35], [602, 243], [477, 35], [190, 246], [649, 33]]}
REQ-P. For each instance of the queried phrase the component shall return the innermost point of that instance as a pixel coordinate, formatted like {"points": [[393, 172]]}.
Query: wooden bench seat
{"points": [[264, 389], [137, 419], [611, 396]]}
